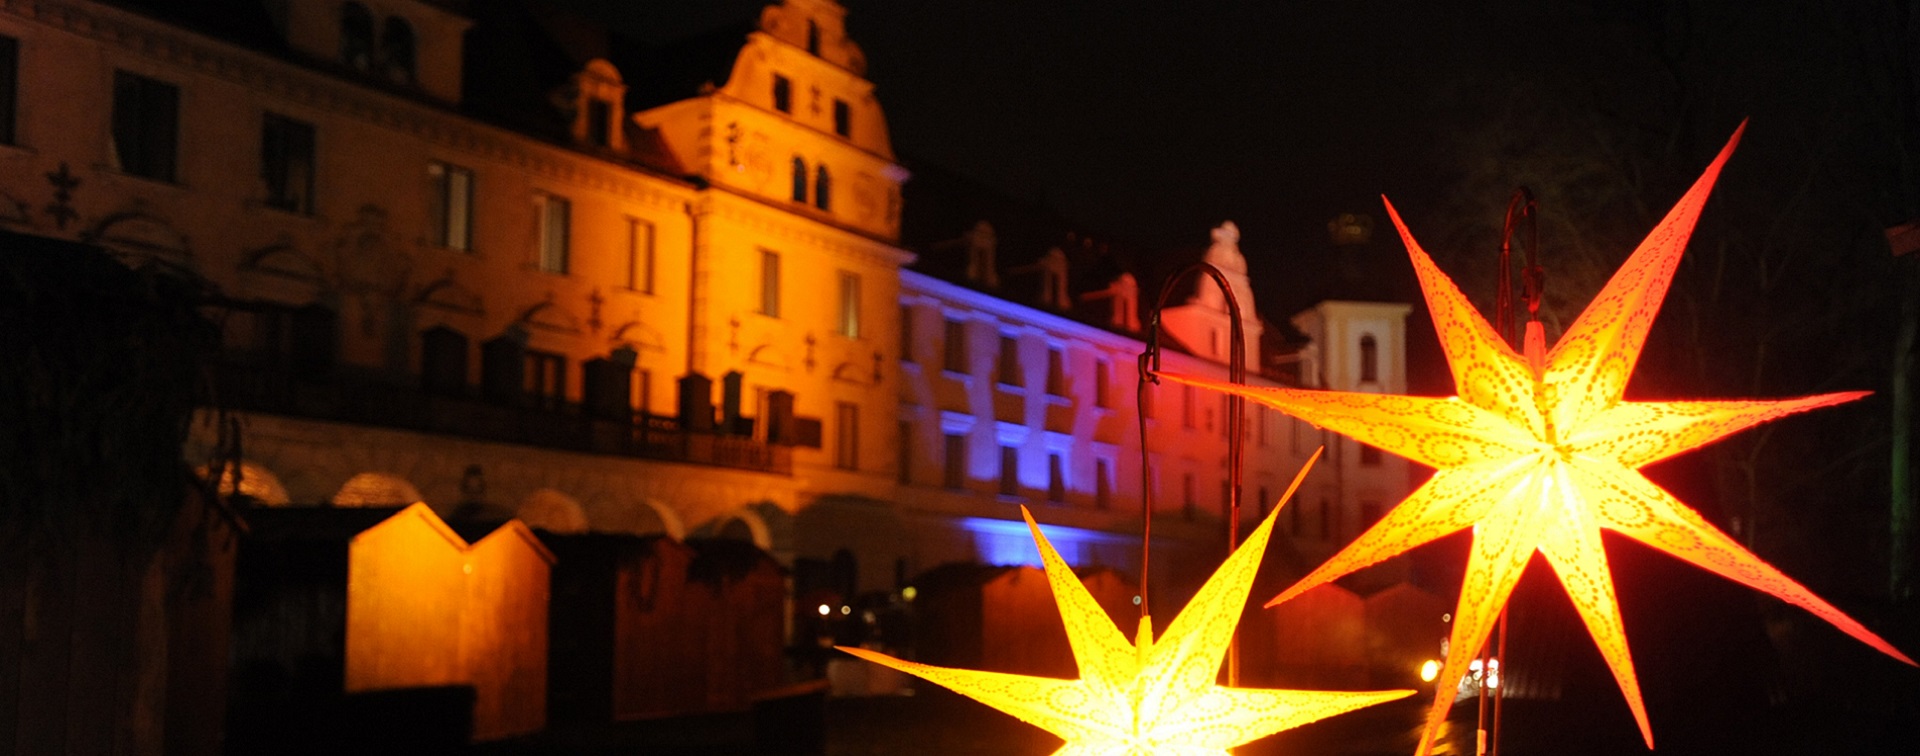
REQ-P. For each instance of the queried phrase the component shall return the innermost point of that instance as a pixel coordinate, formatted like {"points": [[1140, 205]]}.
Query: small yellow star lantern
{"points": [[1540, 451], [1151, 697]]}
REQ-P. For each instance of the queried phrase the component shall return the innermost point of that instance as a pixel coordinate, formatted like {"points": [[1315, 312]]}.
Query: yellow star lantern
{"points": [[1149, 697], [1540, 451]]}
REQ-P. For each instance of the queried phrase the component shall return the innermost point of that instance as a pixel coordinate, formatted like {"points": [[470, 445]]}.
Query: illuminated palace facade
{"points": [[479, 255]]}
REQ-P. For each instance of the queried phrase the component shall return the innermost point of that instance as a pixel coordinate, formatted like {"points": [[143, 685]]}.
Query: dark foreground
{"points": [[938, 722]]}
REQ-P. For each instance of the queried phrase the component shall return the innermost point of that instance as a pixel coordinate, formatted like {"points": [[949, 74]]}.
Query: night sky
{"points": [[1150, 122]]}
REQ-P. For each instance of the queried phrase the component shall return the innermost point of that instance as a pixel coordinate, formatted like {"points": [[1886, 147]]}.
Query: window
{"points": [[1266, 504], [1369, 514], [451, 205], [9, 88], [554, 219], [286, 163], [906, 333], [1102, 485], [545, 379], [146, 124], [599, 122], [903, 454], [813, 37], [1326, 520], [1102, 376], [640, 255], [953, 472], [1369, 456], [769, 284], [782, 94], [846, 445], [396, 50], [842, 118], [1369, 359], [849, 305], [1186, 406], [1188, 506], [356, 37], [1056, 480], [1010, 373], [1294, 520], [1056, 373], [1009, 471], [956, 346], [822, 189], [799, 180]]}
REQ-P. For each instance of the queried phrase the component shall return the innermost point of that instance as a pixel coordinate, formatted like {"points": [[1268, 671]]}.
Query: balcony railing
{"points": [[344, 396]]}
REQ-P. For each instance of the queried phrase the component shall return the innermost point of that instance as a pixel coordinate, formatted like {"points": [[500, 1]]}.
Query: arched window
{"points": [[799, 180], [396, 50], [813, 37], [822, 189], [356, 36], [1369, 359]]}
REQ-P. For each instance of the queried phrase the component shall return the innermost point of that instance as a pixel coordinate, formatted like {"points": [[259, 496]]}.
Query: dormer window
{"points": [[599, 122], [822, 189], [813, 37], [799, 180], [782, 94], [397, 50], [597, 92], [356, 36], [842, 118]]}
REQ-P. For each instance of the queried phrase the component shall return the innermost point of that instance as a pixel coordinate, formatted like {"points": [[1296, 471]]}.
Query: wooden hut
{"points": [[646, 626], [1314, 640], [1005, 619], [343, 614]]}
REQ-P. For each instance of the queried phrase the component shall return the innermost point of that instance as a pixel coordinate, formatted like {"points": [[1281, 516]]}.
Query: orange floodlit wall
{"points": [[426, 609]]}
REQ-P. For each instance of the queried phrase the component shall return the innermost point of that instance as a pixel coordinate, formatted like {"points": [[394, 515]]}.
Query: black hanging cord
{"points": [[1521, 208]]}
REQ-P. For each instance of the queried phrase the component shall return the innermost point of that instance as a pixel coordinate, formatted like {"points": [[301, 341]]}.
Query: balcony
{"points": [[343, 395]]}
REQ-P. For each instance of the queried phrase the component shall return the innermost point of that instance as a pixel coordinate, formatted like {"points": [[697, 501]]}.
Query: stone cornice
{"points": [[289, 80]]}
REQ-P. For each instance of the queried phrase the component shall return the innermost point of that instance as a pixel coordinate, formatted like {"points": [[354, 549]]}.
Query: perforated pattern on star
{"points": [[1150, 697], [1544, 461]]}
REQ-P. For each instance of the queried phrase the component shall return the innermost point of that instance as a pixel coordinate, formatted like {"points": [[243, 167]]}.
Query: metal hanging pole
{"points": [[1236, 450]]}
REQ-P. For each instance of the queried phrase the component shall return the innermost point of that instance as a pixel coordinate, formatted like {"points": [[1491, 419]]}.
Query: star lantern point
{"points": [[1147, 696], [1541, 451]]}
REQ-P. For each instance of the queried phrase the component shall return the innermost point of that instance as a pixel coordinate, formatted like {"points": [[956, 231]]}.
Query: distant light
{"points": [[1429, 670], [1474, 665], [845, 610], [825, 610], [909, 593], [1493, 680], [1136, 600]]}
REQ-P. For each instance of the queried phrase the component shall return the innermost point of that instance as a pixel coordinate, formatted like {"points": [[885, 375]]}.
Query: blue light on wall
{"points": [[1008, 542]]}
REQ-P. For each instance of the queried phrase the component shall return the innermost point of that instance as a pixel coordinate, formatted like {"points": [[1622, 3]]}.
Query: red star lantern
{"points": [[1540, 451]]}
